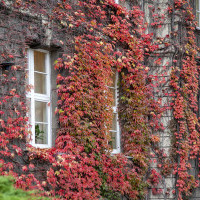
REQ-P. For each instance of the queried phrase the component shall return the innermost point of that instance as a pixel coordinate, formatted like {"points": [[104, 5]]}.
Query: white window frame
{"points": [[115, 111], [39, 97], [198, 11]]}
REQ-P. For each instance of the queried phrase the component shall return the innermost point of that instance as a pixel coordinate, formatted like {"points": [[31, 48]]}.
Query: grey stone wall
{"points": [[162, 73], [20, 30]]}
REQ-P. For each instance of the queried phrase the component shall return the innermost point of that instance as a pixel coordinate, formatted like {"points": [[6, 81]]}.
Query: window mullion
{"points": [[37, 122], [44, 73], [43, 98], [48, 93], [48, 74]]}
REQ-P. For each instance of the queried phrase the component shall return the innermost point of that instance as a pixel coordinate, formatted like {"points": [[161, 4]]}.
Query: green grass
{"points": [[9, 192]]}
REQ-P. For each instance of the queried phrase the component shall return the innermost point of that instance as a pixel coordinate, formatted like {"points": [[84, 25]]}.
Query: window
{"points": [[115, 130], [38, 97], [198, 13], [124, 3]]}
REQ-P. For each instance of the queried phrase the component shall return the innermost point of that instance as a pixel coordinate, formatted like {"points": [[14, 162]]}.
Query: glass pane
{"points": [[41, 134], [198, 23], [113, 91], [40, 83], [114, 79], [114, 122], [39, 61], [112, 143], [40, 111], [197, 12], [27, 76]]}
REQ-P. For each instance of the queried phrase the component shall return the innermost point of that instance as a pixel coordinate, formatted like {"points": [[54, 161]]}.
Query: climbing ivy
{"points": [[96, 37]]}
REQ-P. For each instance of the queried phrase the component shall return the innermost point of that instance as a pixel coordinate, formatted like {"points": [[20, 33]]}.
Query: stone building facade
{"points": [[31, 40]]}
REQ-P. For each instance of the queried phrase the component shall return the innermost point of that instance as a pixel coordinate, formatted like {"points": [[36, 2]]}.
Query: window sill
{"points": [[41, 146]]}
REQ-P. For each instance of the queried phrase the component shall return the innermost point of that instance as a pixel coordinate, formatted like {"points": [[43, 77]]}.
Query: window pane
{"points": [[113, 91], [197, 12], [40, 111], [39, 61], [114, 79], [27, 76], [112, 143], [113, 87], [114, 122], [41, 134], [40, 83]]}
